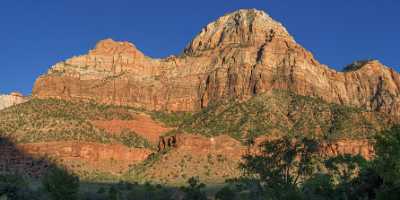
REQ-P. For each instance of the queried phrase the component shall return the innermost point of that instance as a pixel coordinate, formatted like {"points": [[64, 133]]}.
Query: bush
{"points": [[226, 193], [60, 184], [194, 190]]}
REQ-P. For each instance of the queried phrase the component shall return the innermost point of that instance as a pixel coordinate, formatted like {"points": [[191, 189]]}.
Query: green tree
{"points": [[61, 184], [114, 193], [226, 193], [282, 164], [319, 186], [387, 163], [194, 190]]}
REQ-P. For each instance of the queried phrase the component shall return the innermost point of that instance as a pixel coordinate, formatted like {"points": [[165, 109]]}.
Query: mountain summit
{"points": [[240, 55], [243, 27]]}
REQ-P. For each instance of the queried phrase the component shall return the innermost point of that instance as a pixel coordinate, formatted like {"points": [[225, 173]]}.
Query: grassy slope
{"points": [[57, 120], [280, 112]]}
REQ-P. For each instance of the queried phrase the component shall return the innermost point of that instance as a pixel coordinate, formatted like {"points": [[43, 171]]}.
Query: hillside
{"points": [[117, 114], [76, 134], [280, 113]]}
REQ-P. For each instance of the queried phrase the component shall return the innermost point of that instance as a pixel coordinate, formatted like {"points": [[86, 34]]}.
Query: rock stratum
{"points": [[240, 55], [242, 78], [11, 99]]}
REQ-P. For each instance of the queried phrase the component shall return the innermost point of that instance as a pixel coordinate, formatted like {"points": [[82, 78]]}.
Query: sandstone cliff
{"points": [[240, 55], [11, 99]]}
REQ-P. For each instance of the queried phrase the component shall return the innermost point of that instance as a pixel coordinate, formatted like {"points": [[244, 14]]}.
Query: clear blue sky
{"points": [[35, 34]]}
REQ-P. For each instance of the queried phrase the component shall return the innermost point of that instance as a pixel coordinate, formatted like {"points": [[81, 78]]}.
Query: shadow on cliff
{"points": [[17, 163]]}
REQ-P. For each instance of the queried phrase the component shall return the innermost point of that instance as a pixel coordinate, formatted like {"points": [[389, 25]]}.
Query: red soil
{"points": [[143, 125]]}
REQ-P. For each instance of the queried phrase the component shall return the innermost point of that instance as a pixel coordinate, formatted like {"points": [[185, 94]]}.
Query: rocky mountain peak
{"points": [[111, 47], [368, 64], [240, 55], [241, 28]]}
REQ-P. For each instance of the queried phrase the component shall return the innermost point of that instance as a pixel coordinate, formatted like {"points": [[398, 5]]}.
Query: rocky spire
{"points": [[111, 47], [242, 27]]}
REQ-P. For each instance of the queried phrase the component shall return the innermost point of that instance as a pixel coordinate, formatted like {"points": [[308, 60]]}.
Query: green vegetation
{"points": [[16, 188], [137, 172], [131, 139], [58, 120], [291, 168], [286, 168], [284, 113], [173, 119], [194, 190], [61, 184]]}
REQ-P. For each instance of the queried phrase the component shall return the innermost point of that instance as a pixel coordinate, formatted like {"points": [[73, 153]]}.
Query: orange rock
{"points": [[240, 55]]}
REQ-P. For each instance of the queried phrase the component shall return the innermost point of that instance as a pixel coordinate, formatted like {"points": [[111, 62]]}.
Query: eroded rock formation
{"points": [[34, 158], [12, 99], [166, 142], [241, 54]]}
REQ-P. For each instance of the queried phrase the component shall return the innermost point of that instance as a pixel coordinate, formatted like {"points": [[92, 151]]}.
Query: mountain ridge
{"points": [[240, 55]]}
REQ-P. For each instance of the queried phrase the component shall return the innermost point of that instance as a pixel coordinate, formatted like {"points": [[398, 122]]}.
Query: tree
{"points": [[387, 163], [284, 162], [226, 193], [194, 190], [114, 193], [60, 184]]}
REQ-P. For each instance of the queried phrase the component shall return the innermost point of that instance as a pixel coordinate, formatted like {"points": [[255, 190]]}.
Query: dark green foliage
{"points": [[387, 163], [226, 193], [114, 194], [291, 168], [194, 190], [149, 191], [61, 184], [387, 160], [319, 186], [282, 165], [14, 187]]}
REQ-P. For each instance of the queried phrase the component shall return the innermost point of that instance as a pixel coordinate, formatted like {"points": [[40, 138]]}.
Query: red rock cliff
{"points": [[241, 54]]}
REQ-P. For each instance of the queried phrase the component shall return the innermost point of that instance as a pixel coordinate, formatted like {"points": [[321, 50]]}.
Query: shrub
{"points": [[226, 193], [61, 184]]}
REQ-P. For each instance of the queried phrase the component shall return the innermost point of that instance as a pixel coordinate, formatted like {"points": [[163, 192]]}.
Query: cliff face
{"points": [[11, 99], [240, 55]]}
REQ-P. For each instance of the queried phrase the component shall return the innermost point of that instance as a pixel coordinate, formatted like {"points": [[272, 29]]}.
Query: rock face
{"points": [[240, 55], [32, 159], [11, 99]]}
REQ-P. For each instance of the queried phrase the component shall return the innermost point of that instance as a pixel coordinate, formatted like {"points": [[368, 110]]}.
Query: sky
{"points": [[35, 34]]}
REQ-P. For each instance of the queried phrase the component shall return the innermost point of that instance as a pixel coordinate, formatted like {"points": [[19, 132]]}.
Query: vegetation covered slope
{"points": [[58, 120], [282, 112]]}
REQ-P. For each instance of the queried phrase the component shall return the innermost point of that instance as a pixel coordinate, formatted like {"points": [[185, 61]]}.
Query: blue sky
{"points": [[35, 34]]}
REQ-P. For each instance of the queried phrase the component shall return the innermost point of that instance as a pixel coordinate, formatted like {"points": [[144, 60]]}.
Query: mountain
{"points": [[117, 114], [240, 55], [11, 99]]}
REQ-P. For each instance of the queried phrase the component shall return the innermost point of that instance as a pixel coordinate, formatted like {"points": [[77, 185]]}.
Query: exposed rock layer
{"points": [[76, 156], [240, 55], [11, 100]]}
